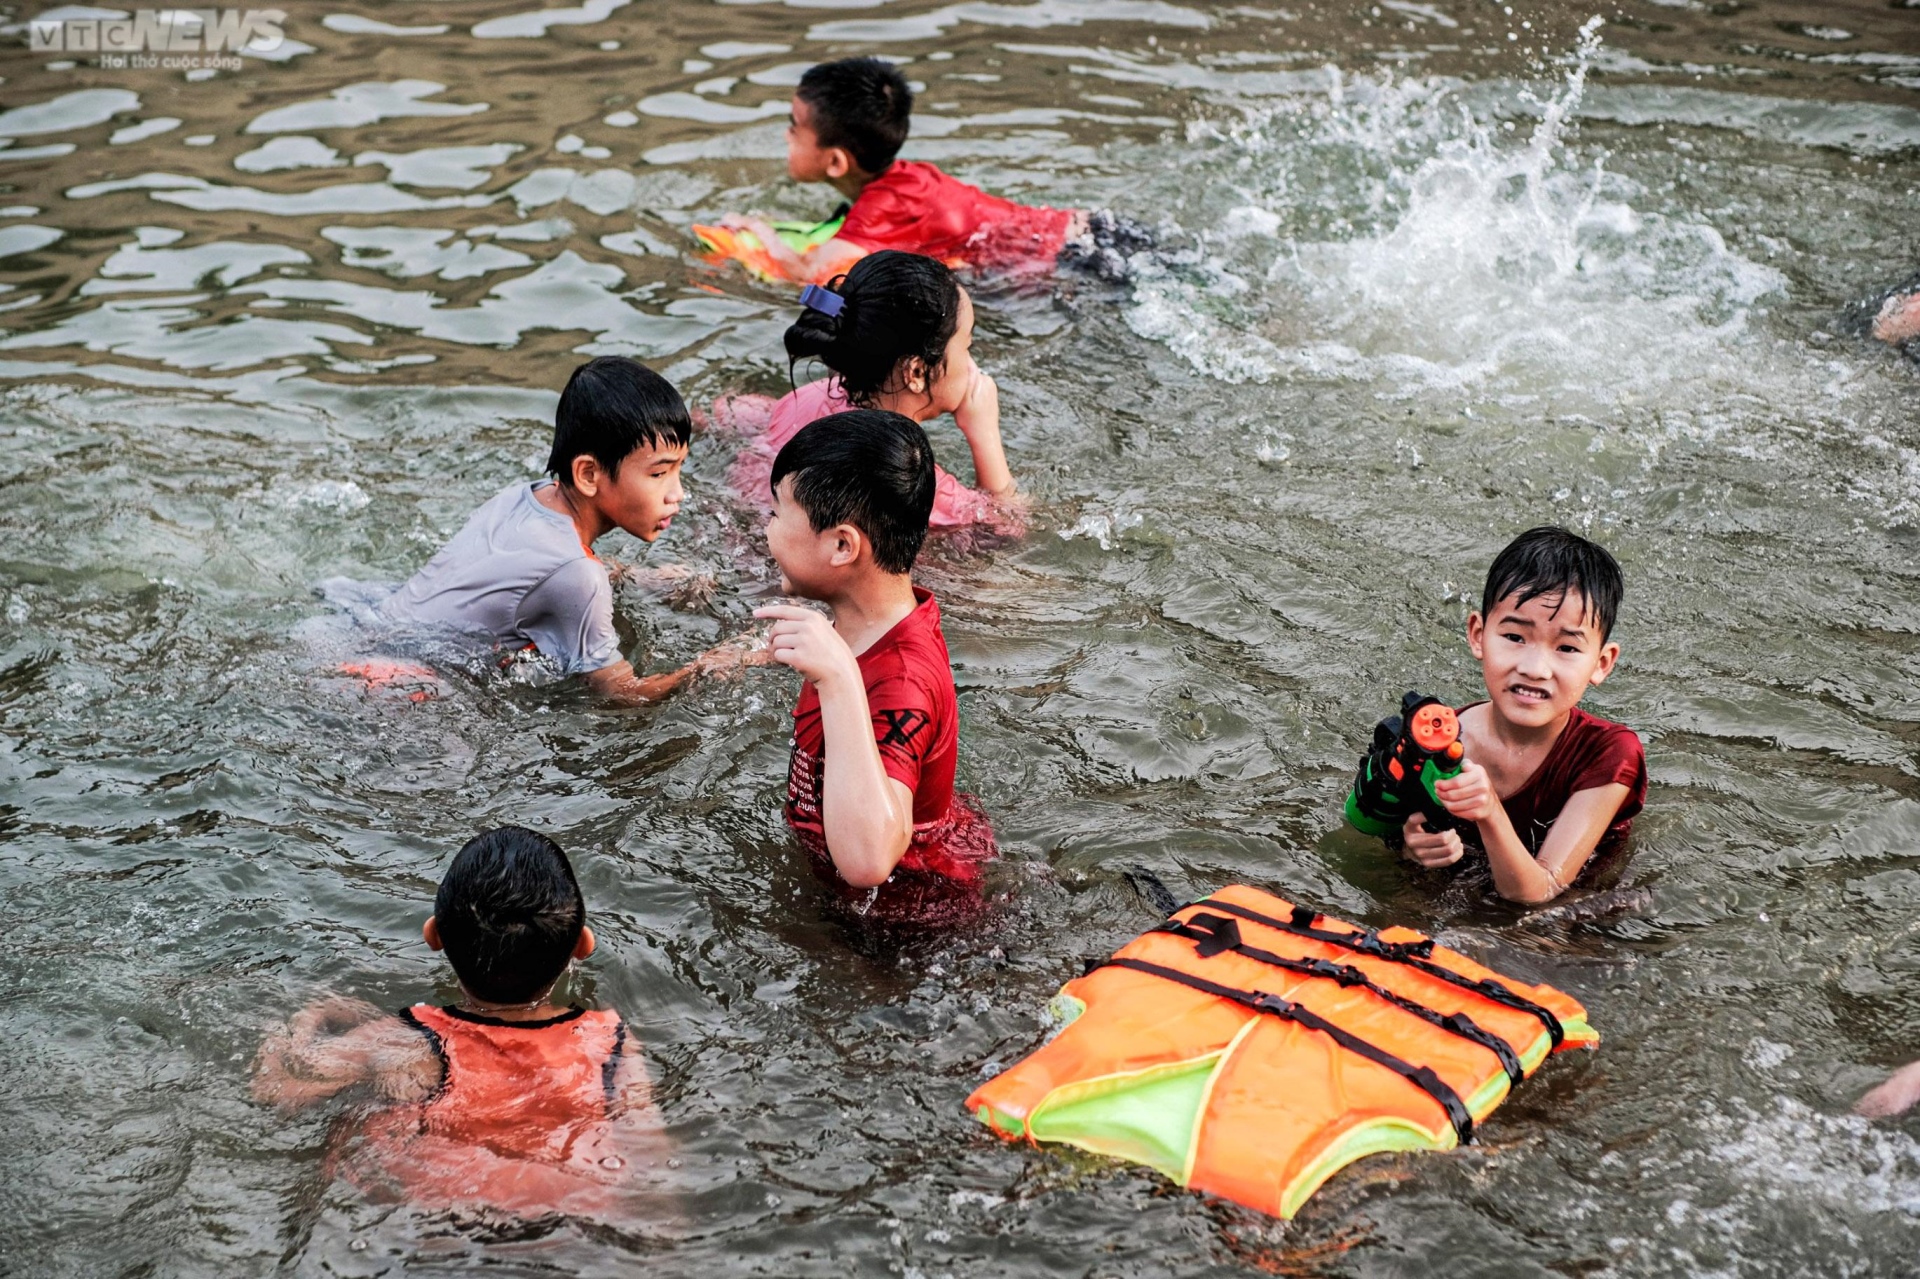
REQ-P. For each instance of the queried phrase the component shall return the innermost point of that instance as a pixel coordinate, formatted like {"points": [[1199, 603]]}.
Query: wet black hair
{"points": [[509, 913], [868, 468], [896, 306], [861, 104], [1550, 560], [613, 405]]}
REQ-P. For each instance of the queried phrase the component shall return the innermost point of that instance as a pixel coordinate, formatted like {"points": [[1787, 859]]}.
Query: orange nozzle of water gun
{"points": [[1436, 730]]}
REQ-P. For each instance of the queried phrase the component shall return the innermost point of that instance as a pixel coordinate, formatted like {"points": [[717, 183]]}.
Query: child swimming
{"points": [[502, 1101], [1545, 784], [896, 333], [522, 571], [876, 731], [848, 122]]}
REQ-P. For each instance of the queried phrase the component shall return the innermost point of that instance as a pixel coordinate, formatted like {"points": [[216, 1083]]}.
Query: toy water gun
{"points": [[1411, 751], [726, 244]]}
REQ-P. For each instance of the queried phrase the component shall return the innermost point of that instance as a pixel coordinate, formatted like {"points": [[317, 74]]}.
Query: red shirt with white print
{"points": [[916, 724]]}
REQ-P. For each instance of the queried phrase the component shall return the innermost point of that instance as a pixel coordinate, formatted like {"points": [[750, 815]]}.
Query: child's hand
{"points": [[1900, 1091], [727, 659], [981, 407], [804, 639], [1431, 848], [1469, 795]]}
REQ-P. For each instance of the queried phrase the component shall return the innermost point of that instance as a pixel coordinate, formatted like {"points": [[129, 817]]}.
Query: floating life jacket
{"points": [[726, 244], [521, 1122], [1251, 1048]]}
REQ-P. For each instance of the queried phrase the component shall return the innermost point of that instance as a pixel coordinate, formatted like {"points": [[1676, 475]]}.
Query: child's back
{"points": [[503, 1102], [915, 207], [523, 1120], [517, 572]]}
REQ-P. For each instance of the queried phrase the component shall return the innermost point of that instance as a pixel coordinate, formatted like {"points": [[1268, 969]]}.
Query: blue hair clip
{"points": [[825, 301]]}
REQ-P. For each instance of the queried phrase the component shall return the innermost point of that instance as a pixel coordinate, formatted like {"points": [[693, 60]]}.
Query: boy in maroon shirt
{"points": [[1545, 784], [876, 732]]}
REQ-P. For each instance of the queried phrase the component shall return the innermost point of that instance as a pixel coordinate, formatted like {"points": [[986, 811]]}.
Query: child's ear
{"points": [[1609, 654], [913, 374], [1476, 634], [839, 162], [583, 946], [586, 474], [847, 541], [430, 932]]}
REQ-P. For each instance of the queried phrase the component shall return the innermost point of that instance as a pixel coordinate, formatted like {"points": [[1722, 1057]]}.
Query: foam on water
{"points": [[1791, 1151], [1441, 255]]}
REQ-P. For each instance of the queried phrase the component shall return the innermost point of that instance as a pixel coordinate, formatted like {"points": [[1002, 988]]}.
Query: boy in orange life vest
{"points": [[849, 120], [1545, 784], [501, 1101], [876, 732]]}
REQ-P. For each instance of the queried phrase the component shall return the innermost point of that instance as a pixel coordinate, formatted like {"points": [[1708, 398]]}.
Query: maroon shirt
{"points": [[1589, 752], [916, 724]]}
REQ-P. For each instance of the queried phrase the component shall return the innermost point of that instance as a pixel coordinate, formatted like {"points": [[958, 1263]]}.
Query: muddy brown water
{"points": [[1424, 285]]}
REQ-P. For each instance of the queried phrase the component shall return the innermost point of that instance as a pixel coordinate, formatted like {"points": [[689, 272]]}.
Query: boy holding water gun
{"points": [[1537, 783]]}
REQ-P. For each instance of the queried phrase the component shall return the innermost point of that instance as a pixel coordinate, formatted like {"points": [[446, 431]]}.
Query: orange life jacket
{"points": [[521, 1122], [1251, 1049]]}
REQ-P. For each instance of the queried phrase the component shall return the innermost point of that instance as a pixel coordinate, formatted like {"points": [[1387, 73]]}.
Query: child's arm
{"points": [[337, 1043], [978, 418], [1518, 875], [1900, 1090], [820, 263], [619, 683], [866, 815]]}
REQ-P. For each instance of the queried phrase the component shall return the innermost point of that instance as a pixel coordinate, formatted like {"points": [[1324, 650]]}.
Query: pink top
{"points": [[954, 504]]}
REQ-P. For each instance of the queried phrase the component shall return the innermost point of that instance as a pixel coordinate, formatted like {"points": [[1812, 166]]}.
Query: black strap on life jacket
{"points": [[1411, 953], [1421, 1077], [1217, 934], [610, 1068]]}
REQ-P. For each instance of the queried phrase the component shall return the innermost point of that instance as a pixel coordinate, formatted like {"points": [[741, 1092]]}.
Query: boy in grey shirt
{"points": [[523, 571]]}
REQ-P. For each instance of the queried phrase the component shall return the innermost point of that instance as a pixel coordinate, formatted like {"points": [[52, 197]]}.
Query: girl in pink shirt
{"points": [[895, 333]]}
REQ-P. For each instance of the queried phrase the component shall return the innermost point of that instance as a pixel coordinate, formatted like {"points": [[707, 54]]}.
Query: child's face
{"points": [[954, 381], [957, 369], [807, 160], [645, 493], [1540, 657], [810, 563]]}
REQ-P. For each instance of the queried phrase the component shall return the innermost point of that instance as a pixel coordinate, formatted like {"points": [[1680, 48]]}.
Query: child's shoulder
{"points": [[1593, 728], [1595, 750], [915, 651]]}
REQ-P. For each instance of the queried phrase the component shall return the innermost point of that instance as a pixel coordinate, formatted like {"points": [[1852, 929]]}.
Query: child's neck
{"points": [[870, 606], [588, 522], [853, 182], [536, 1009], [1511, 753]]}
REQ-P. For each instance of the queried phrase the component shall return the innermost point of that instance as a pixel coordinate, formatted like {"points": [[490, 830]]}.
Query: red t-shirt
{"points": [[1589, 752], [916, 723], [914, 207]]}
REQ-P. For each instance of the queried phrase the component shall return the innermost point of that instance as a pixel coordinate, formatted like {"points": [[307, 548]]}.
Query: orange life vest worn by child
{"points": [[522, 1121]]}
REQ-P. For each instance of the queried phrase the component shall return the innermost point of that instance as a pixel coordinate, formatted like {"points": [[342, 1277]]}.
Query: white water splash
{"points": [[1460, 261], [1797, 1152]]}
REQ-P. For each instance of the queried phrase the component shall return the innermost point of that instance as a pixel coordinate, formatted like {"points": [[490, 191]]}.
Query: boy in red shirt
{"points": [[848, 122], [876, 732], [1545, 784]]}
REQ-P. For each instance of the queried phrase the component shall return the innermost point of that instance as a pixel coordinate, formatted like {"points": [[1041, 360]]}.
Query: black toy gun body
{"points": [[1411, 751]]}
